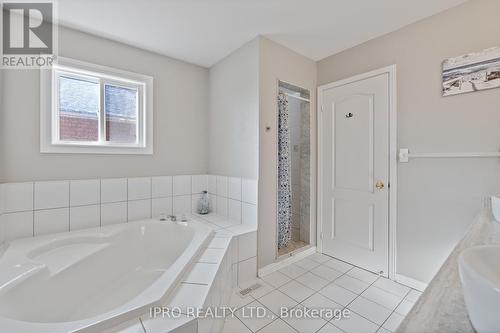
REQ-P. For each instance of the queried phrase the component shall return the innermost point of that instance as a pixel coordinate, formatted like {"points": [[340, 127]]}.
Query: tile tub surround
{"points": [[209, 282], [36, 208], [442, 307], [376, 304]]}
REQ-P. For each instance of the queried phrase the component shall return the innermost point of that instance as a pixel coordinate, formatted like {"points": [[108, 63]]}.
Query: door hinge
{"points": [[321, 235], [322, 108], [388, 185]]}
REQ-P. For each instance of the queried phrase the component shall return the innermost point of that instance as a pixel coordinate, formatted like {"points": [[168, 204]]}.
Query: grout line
{"points": [[393, 311], [142, 325]]}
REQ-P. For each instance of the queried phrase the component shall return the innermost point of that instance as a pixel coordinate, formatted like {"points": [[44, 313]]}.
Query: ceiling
{"points": [[205, 31]]}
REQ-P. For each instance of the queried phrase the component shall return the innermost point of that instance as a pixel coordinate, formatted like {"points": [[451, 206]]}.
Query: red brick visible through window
{"points": [[73, 128]]}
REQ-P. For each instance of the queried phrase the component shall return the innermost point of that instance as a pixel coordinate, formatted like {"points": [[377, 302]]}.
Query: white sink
{"points": [[479, 269]]}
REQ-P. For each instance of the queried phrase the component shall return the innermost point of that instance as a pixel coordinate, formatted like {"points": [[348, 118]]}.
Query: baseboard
{"points": [[409, 282], [285, 262]]}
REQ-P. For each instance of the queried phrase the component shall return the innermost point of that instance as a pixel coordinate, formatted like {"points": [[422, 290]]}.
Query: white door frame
{"points": [[393, 177]]}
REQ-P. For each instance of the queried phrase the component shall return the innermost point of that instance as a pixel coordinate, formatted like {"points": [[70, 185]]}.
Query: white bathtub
{"points": [[93, 279]]}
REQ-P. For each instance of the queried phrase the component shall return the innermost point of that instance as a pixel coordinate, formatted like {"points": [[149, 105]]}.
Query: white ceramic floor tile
{"points": [[413, 295], [326, 273], [307, 264], [234, 325], [312, 281], [303, 324], [352, 284], [318, 257], [338, 265], [370, 310], [253, 318], [293, 271], [393, 322], [329, 328], [383, 330], [362, 275], [392, 287], [275, 300], [297, 291], [320, 302], [237, 301], [276, 279], [338, 294], [404, 307], [355, 324], [382, 297], [277, 326]]}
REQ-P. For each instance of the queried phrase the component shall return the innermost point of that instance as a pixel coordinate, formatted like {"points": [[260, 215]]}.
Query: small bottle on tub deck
{"points": [[203, 203]]}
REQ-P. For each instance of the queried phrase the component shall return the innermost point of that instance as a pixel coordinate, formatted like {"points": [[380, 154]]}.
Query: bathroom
{"points": [[215, 164]]}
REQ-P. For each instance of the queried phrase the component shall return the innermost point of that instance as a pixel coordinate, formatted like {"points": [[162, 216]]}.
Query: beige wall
{"points": [[437, 198], [234, 113], [278, 63], [180, 119]]}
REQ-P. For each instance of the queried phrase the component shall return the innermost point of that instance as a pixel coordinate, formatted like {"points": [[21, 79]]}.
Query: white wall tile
{"points": [[139, 210], [212, 203], [201, 273], [2, 198], [161, 206], [50, 221], [113, 213], [234, 210], [182, 185], [195, 198], [50, 195], [249, 214], [85, 192], [249, 191], [247, 246], [113, 190], [16, 225], [234, 188], [222, 206], [222, 186], [139, 188], [247, 270], [18, 197], [83, 217], [161, 186], [199, 183], [181, 204], [212, 184]]}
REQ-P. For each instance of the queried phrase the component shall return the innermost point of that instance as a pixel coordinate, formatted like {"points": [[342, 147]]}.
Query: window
{"points": [[88, 108]]}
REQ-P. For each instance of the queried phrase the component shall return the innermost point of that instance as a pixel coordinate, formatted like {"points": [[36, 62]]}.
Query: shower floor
{"points": [[294, 245]]}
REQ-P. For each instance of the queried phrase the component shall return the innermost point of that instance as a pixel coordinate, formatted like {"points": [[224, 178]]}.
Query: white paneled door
{"points": [[354, 174]]}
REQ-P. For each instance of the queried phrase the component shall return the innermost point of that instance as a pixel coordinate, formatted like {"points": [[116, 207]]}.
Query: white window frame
{"points": [[49, 108]]}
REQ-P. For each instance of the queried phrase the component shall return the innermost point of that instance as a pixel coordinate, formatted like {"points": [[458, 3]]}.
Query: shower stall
{"points": [[293, 174]]}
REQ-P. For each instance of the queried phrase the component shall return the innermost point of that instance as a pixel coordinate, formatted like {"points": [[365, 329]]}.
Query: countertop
{"points": [[441, 308]]}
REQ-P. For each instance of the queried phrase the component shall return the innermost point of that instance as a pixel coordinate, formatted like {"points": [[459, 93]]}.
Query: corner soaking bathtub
{"points": [[89, 280]]}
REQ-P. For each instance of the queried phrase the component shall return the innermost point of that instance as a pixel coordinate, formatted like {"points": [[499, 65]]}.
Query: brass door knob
{"points": [[379, 185]]}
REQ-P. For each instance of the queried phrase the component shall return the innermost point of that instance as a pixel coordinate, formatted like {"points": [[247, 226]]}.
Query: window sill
{"points": [[82, 149]]}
